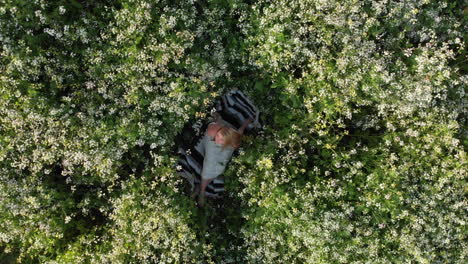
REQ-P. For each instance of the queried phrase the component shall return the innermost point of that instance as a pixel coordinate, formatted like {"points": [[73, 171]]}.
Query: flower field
{"points": [[362, 158]]}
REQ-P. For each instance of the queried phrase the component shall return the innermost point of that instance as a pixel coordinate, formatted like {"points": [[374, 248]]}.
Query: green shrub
{"points": [[361, 160]]}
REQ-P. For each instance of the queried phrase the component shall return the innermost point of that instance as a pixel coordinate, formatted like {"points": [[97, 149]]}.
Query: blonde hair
{"points": [[231, 137]]}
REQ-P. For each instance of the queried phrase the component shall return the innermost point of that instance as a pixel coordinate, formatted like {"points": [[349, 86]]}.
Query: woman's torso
{"points": [[216, 157], [214, 147]]}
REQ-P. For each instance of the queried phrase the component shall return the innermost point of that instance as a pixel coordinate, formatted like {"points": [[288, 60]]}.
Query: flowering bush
{"points": [[362, 159], [368, 167]]}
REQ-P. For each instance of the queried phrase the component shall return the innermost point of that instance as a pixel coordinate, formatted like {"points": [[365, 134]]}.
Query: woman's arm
{"points": [[246, 123], [216, 117]]}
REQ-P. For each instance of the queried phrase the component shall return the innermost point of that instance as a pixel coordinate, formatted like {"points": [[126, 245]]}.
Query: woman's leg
{"points": [[201, 196]]}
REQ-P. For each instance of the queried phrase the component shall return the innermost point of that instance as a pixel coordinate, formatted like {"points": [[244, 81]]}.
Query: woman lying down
{"points": [[218, 145]]}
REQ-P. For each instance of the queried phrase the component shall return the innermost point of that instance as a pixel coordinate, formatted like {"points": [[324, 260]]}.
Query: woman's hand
{"points": [[246, 123], [216, 117]]}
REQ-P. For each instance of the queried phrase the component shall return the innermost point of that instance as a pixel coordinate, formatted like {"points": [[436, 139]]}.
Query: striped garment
{"points": [[234, 108]]}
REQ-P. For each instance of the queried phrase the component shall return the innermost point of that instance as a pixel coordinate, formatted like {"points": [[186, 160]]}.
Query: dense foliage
{"points": [[362, 158]]}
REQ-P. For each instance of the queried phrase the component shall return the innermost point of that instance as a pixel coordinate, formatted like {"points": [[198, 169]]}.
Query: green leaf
{"points": [[259, 86]]}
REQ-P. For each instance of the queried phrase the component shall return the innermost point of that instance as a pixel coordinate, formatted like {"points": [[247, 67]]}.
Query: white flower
{"points": [[62, 10], [408, 52], [140, 142], [265, 163], [89, 85]]}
